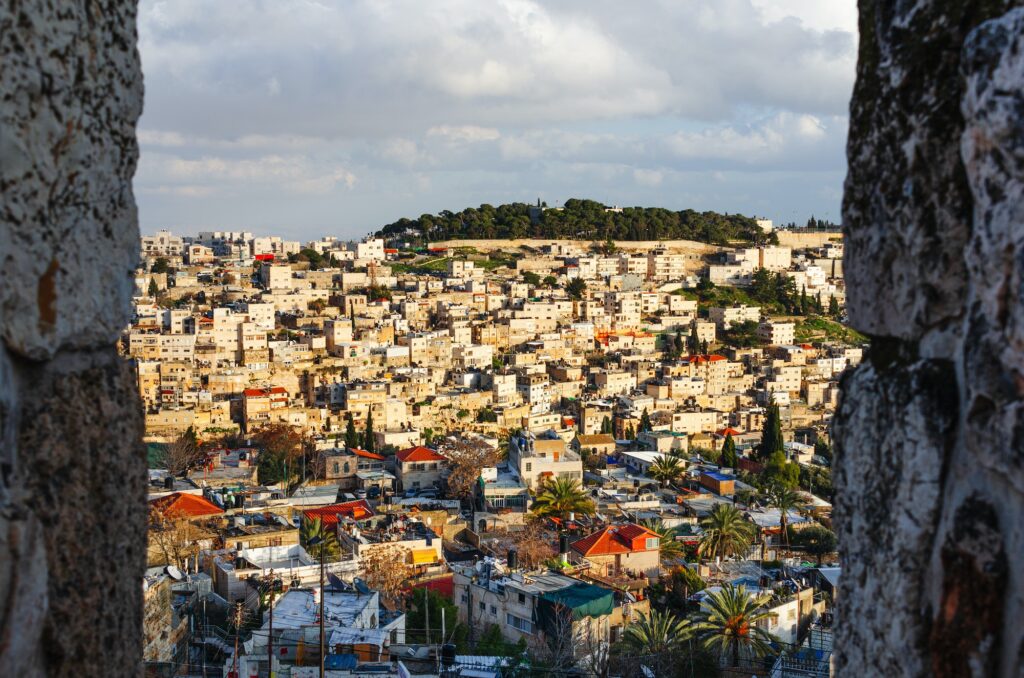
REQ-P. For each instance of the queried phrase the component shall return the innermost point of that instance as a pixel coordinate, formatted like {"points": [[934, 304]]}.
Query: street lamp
{"points": [[313, 541]]}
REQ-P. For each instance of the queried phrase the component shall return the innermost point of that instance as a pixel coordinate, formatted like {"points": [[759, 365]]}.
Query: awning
{"points": [[580, 600], [424, 556]]}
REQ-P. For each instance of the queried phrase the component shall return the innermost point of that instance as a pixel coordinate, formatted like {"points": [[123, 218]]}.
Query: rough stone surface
{"points": [[930, 432], [72, 471], [71, 89]]}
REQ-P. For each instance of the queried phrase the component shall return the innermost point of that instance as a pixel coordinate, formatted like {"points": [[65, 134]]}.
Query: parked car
{"points": [[428, 494], [373, 492]]}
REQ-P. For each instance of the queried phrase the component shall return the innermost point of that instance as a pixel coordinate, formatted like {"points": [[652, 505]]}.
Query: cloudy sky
{"points": [[307, 118]]}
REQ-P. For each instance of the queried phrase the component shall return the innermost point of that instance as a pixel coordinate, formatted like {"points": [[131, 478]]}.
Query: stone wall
{"points": [[72, 471], [930, 429]]}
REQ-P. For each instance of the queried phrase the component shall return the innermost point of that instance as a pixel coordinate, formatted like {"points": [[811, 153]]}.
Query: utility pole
{"points": [[269, 580], [237, 619], [426, 612], [323, 594]]}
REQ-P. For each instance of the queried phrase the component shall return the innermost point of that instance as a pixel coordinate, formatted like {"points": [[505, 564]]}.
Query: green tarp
{"points": [[583, 600]]}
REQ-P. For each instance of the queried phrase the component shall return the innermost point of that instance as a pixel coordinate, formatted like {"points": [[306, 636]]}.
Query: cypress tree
{"points": [[729, 452], [645, 422], [694, 343], [368, 443], [771, 434], [833, 306], [606, 425], [351, 437]]}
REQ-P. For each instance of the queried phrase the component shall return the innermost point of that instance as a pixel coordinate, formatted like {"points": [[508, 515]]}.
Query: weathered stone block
{"points": [[80, 487], [70, 95]]}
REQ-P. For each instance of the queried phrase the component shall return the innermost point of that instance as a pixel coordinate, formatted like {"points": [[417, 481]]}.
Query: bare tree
{"points": [[466, 459], [533, 544], [568, 642], [174, 536], [184, 453], [386, 569]]}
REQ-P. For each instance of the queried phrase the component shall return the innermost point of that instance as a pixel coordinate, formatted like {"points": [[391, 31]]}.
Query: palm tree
{"points": [[665, 469], [558, 497], [727, 622], [726, 532], [314, 527], [669, 550], [785, 500], [656, 633]]}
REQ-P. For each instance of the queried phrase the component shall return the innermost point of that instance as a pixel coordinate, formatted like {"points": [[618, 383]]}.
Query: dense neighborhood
{"points": [[533, 456]]}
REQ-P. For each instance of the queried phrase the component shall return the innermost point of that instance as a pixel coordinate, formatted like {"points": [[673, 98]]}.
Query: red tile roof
{"points": [[179, 504], [713, 358], [611, 540], [727, 432], [328, 515], [419, 453], [262, 392]]}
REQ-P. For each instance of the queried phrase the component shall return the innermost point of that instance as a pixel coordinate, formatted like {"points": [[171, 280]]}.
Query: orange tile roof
{"points": [[611, 540], [179, 504], [713, 358], [328, 515], [419, 453], [364, 454]]}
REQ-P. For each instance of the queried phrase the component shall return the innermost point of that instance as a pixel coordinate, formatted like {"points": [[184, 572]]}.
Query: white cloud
{"points": [[216, 175], [455, 102], [769, 141], [464, 133], [646, 177]]}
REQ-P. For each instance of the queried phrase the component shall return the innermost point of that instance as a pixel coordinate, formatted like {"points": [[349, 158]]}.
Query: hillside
{"points": [[578, 220]]}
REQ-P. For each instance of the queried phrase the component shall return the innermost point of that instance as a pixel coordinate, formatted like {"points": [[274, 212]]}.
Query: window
{"points": [[529, 467], [519, 623], [522, 598], [494, 610], [652, 543], [483, 606], [465, 598]]}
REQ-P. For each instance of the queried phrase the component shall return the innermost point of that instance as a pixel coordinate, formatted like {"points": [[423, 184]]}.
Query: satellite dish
{"points": [[174, 573], [336, 583]]}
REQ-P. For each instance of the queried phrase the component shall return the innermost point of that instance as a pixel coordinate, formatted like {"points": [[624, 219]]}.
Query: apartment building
{"points": [[725, 317], [776, 333], [533, 459]]}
